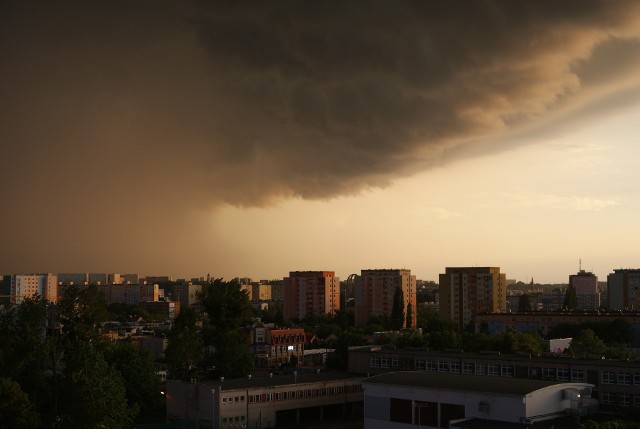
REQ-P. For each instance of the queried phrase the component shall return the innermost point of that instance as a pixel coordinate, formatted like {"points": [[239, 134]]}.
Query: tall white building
{"points": [[17, 287]]}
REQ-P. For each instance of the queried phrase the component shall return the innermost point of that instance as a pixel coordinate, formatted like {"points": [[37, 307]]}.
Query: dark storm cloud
{"points": [[111, 111]]}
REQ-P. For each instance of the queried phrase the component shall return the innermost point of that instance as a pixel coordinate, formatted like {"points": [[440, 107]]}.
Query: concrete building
{"points": [[73, 278], [615, 382], [132, 279], [260, 291], [169, 309], [374, 291], [264, 402], [623, 289], [310, 293], [186, 294], [398, 399], [544, 321], [272, 347], [130, 294], [17, 287], [466, 291], [277, 290], [98, 278], [587, 293]]}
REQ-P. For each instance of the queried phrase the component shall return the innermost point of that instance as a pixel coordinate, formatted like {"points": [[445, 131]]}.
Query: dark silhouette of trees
{"points": [[409, 321], [16, 410], [184, 351], [397, 310], [524, 303], [570, 299]]}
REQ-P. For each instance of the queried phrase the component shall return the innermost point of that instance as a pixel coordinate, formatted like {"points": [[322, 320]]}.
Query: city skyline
{"points": [[252, 140]]}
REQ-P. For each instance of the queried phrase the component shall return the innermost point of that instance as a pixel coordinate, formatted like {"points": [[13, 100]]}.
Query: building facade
{"points": [[544, 321], [616, 382], [264, 402], [374, 292], [466, 291], [623, 289], [587, 291], [17, 287], [186, 294], [272, 347], [397, 399], [310, 293]]}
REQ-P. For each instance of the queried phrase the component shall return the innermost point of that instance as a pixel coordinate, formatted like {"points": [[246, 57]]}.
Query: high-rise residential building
{"points": [[17, 287], [130, 294], [73, 278], [186, 294], [586, 286], [374, 291], [98, 278], [465, 291], [132, 279], [310, 293], [623, 289], [260, 291], [277, 290]]}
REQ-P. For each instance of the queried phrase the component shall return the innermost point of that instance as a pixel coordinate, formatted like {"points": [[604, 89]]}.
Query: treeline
{"points": [[57, 370]]}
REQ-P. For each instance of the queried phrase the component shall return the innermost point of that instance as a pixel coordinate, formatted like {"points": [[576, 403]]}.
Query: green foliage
{"points": [[228, 309], [397, 310], [431, 321], [570, 299], [81, 310], [340, 359], [413, 339], [139, 372], [587, 344], [184, 351], [16, 410], [409, 321], [524, 303], [93, 391]]}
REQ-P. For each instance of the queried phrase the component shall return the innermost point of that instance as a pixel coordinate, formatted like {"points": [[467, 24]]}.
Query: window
{"points": [[384, 362], [624, 378], [625, 399], [420, 365], [395, 363], [431, 365], [636, 379], [375, 362], [224, 400], [562, 374], [443, 366], [548, 373], [481, 369], [608, 377], [577, 375], [506, 371], [607, 398], [636, 400], [492, 369], [455, 367], [467, 368]]}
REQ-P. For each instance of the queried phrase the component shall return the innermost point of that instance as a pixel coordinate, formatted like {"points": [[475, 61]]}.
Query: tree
{"points": [[524, 303], [409, 322], [184, 351], [16, 410], [570, 299], [139, 372], [94, 392], [587, 344], [227, 309], [397, 310]]}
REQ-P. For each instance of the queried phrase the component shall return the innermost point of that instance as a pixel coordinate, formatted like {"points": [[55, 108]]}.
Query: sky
{"points": [[254, 139]]}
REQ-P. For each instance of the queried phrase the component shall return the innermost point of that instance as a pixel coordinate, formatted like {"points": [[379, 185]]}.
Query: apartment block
{"points": [[260, 291], [130, 294], [17, 287], [374, 291], [186, 294], [587, 293], [310, 293], [623, 289], [466, 291], [272, 347]]}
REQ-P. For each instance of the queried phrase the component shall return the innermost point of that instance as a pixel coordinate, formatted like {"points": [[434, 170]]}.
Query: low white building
{"points": [[399, 399]]}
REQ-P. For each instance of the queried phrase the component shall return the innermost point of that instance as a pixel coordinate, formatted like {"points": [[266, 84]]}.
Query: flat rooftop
{"points": [[470, 383], [281, 380]]}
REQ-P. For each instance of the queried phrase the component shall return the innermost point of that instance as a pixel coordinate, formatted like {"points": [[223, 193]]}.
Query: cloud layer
{"points": [[118, 118]]}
